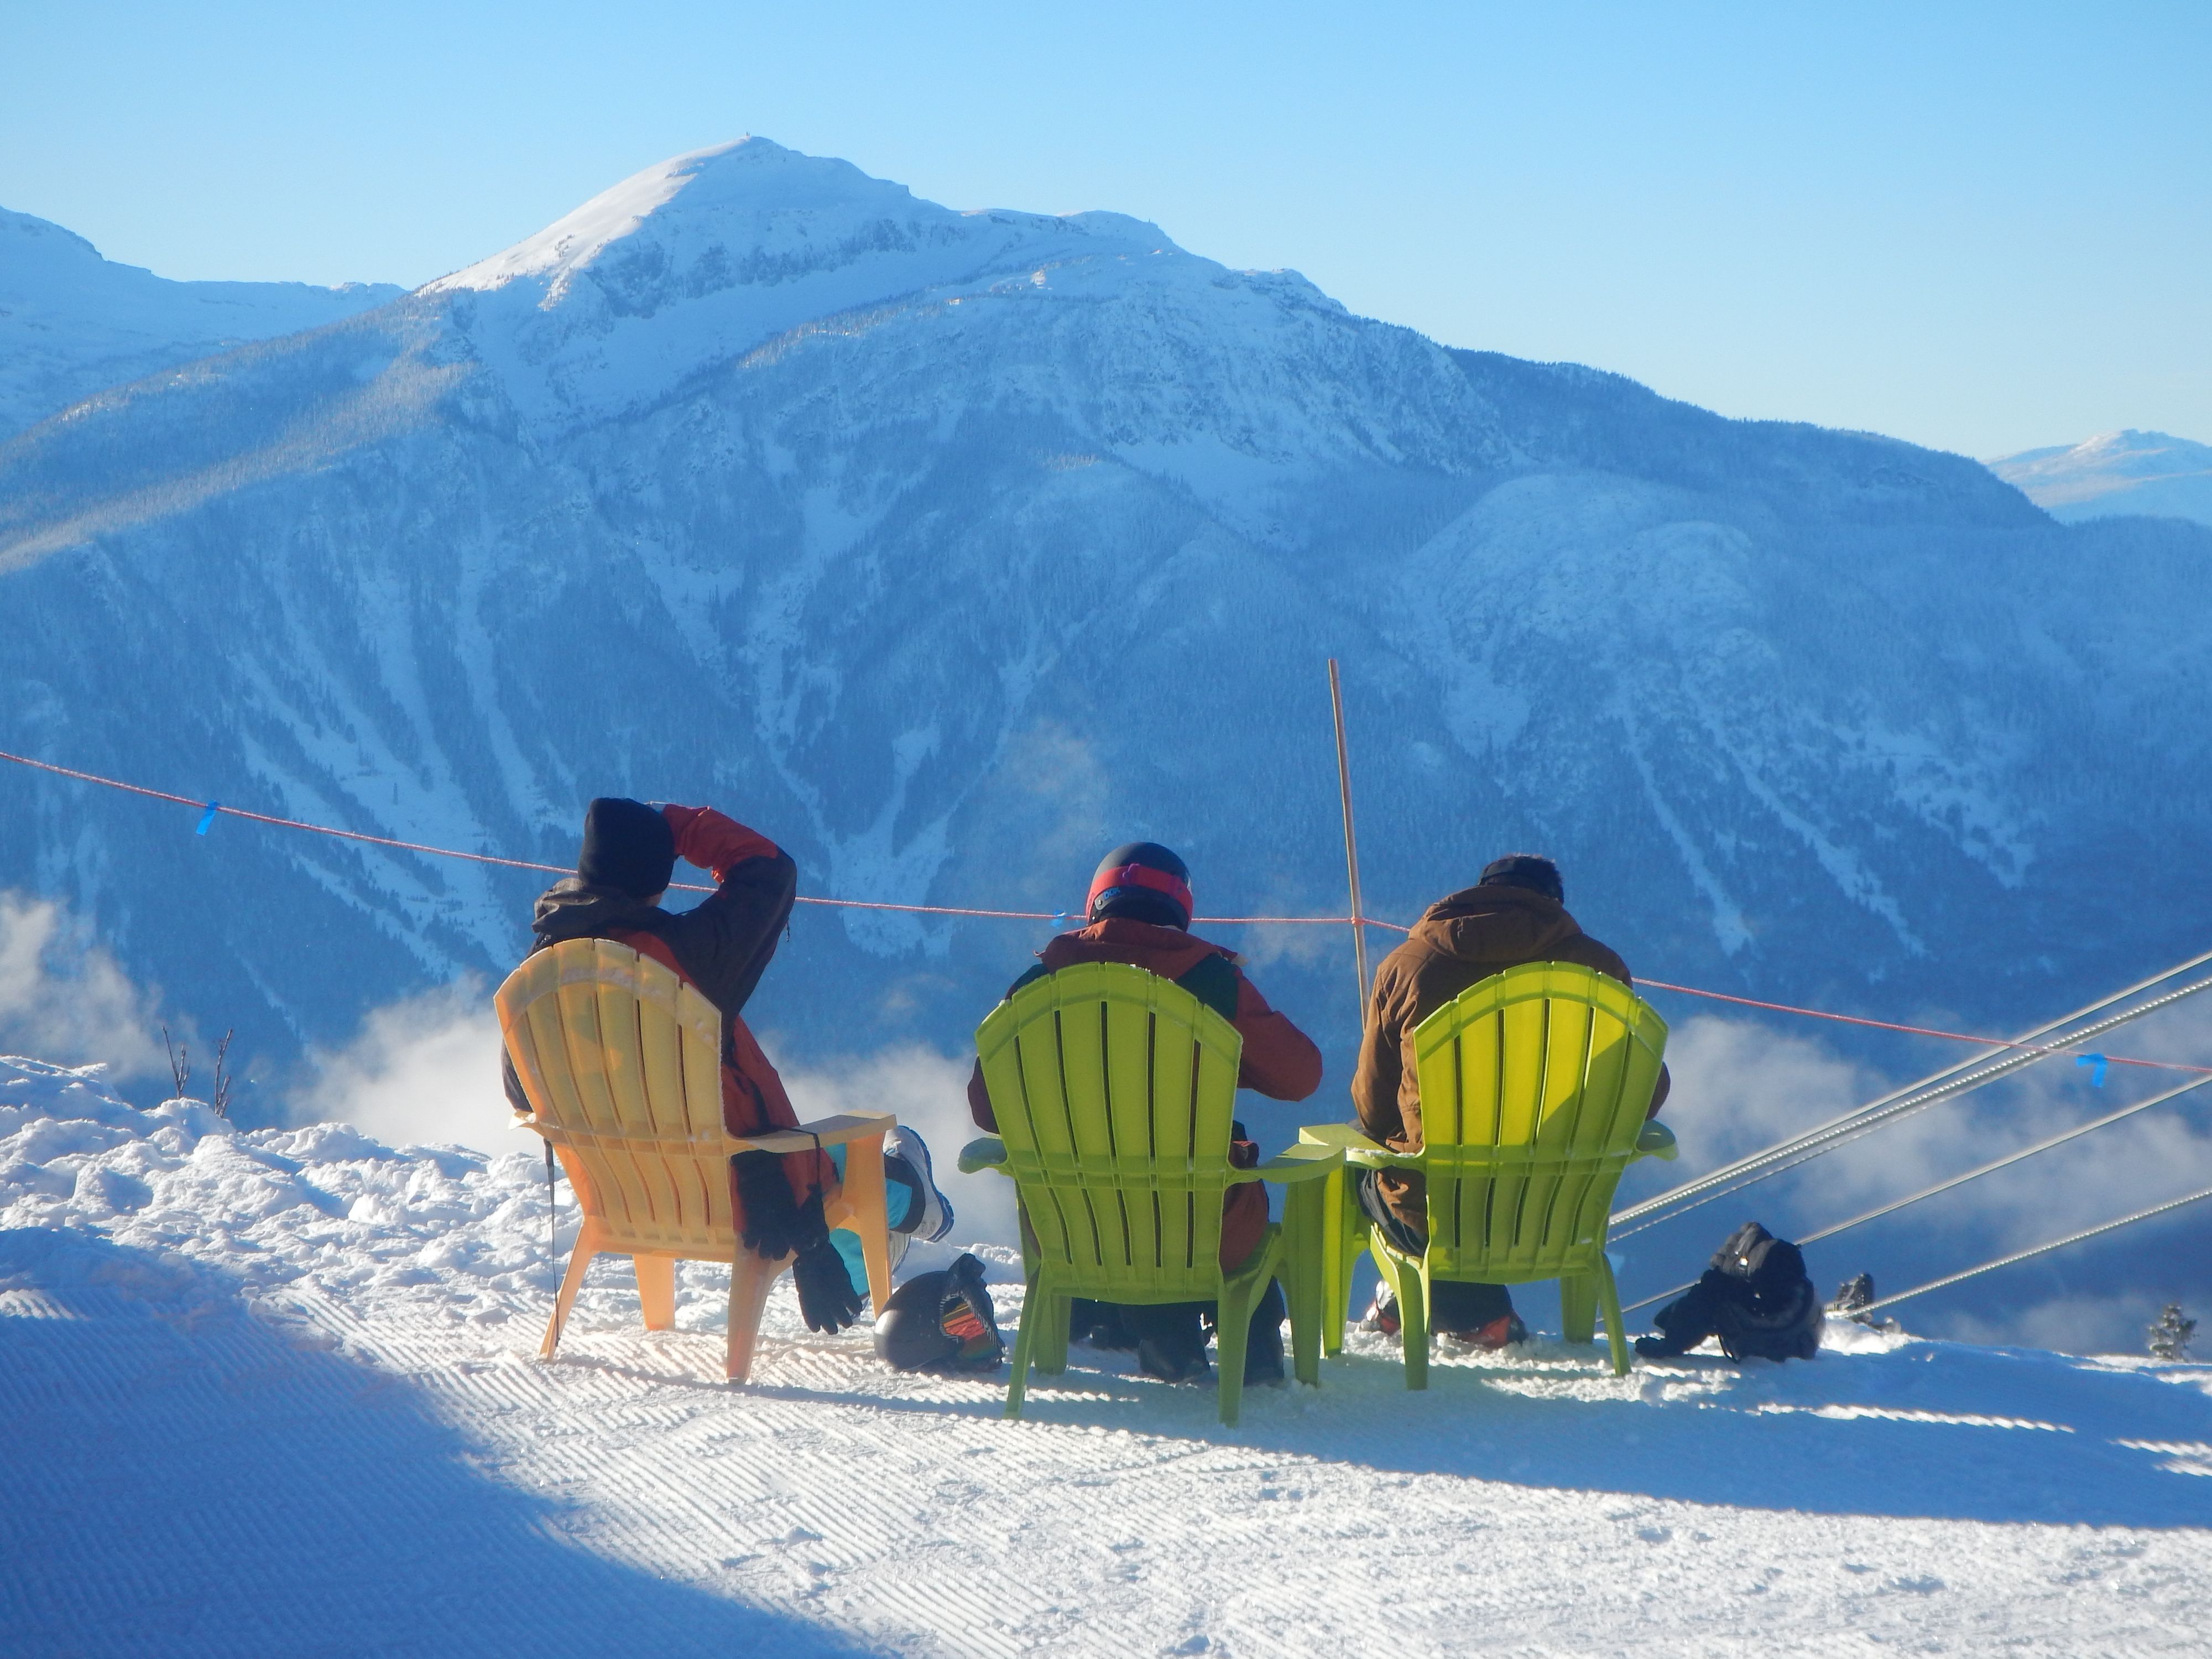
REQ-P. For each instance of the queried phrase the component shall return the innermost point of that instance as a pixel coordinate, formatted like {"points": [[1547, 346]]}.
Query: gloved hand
{"points": [[775, 1224], [826, 1297]]}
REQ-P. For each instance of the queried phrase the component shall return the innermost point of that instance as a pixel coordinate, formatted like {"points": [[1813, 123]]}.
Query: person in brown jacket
{"points": [[1515, 913], [1139, 913]]}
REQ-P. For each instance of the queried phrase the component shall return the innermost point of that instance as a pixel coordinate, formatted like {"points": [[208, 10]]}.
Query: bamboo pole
{"points": [[1351, 841]]}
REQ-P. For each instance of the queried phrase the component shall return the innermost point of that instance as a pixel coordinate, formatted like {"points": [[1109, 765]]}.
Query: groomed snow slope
{"points": [[276, 1393]]}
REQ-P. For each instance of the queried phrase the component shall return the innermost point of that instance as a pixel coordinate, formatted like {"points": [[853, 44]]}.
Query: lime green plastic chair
{"points": [[1114, 1090], [1534, 1087]]}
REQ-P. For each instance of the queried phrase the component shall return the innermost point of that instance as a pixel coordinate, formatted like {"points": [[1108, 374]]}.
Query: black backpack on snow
{"points": [[1756, 1298]]}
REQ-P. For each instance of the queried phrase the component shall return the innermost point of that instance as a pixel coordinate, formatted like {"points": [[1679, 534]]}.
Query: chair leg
{"points": [[579, 1258], [1034, 1300], [1055, 1314], [1578, 1308], [1232, 1334], [750, 1278], [1306, 1250], [1332, 1254], [1414, 1311], [864, 1203], [656, 1290], [1349, 1237], [1616, 1330]]}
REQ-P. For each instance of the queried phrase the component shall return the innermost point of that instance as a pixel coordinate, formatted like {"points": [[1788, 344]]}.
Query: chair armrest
{"points": [[987, 1153], [1293, 1164], [1657, 1141], [1354, 1144], [1345, 1137], [824, 1131]]}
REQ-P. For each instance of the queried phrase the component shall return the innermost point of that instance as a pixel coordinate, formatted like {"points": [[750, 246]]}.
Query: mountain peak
{"points": [[2127, 471], [706, 256], [573, 241]]}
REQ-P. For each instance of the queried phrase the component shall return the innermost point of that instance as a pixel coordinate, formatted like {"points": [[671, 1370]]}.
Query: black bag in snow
{"points": [[1756, 1298]]}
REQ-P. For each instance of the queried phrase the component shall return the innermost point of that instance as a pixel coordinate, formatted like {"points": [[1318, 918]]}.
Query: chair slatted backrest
{"points": [[1114, 1090], [1534, 1084], [622, 1061]]}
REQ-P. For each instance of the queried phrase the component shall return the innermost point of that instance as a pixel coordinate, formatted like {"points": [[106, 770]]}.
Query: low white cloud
{"points": [[928, 1091], [423, 1070], [1739, 1087], [62, 999]]}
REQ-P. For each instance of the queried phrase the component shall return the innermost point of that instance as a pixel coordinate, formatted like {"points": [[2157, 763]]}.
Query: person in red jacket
{"points": [[722, 945], [1139, 913]]}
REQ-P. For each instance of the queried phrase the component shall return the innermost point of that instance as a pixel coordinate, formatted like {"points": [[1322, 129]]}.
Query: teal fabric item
{"points": [[898, 1198]]}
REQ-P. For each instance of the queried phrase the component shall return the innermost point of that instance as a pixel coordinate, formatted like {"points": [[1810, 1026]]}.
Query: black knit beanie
{"points": [[628, 847], [1525, 870]]}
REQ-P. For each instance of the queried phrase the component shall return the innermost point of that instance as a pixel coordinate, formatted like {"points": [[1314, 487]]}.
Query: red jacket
{"points": [[721, 945], [1280, 1060]]}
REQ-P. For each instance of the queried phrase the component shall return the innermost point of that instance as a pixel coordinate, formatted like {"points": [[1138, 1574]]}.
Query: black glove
{"points": [[775, 1224], [1688, 1320], [826, 1296]]}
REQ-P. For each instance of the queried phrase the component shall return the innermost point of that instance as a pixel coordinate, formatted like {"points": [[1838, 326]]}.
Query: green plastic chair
{"points": [[1534, 1086], [1114, 1090]]}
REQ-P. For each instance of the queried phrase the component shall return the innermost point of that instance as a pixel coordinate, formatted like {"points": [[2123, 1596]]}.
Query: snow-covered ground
{"points": [[277, 1393]]}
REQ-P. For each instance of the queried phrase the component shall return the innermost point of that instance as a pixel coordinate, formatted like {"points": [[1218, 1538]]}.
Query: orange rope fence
{"points": [[212, 809]]}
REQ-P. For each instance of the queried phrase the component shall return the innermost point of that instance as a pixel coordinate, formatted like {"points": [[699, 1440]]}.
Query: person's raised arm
{"points": [[726, 941]]}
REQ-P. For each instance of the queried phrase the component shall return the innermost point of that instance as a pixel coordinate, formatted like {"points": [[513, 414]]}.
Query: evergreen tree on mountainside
{"points": [[2169, 1337]]}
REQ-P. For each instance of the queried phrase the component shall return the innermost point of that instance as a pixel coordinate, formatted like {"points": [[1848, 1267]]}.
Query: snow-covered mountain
{"points": [[72, 324], [952, 547], [2148, 473]]}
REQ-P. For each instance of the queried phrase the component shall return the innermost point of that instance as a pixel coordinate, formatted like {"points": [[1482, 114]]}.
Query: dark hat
{"points": [[628, 846], [1526, 870], [1142, 882]]}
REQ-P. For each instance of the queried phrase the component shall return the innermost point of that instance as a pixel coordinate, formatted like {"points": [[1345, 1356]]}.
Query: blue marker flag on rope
{"points": [[208, 817], [2096, 1064]]}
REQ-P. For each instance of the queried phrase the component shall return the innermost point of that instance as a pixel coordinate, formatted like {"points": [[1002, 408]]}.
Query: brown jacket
{"points": [[1458, 942], [1279, 1059]]}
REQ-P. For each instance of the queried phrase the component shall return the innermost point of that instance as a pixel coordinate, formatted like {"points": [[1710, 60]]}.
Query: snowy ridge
{"points": [[72, 324], [326, 1348], [695, 262]]}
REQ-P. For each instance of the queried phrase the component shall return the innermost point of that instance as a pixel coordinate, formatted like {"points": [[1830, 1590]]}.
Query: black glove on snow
{"points": [[826, 1296], [775, 1224]]}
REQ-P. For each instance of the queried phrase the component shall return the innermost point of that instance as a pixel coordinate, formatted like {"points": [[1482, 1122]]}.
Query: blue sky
{"points": [[1982, 228]]}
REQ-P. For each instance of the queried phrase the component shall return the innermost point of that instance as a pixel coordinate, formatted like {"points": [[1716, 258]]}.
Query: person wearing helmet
{"points": [[1139, 913], [1515, 913], [722, 945]]}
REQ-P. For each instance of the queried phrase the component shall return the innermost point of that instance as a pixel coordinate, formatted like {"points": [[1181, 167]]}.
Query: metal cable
{"points": [[2040, 1249], [1900, 1102], [1991, 1168]]}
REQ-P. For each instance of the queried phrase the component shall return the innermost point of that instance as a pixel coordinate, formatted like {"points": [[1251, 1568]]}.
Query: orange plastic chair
{"points": [[622, 1063]]}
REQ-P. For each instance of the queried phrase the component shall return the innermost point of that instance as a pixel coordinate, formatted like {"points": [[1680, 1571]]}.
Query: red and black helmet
{"points": [[1142, 882]]}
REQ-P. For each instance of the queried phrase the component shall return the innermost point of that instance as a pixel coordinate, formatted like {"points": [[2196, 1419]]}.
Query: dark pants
{"points": [[1453, 1306], [1179, 1328]]}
